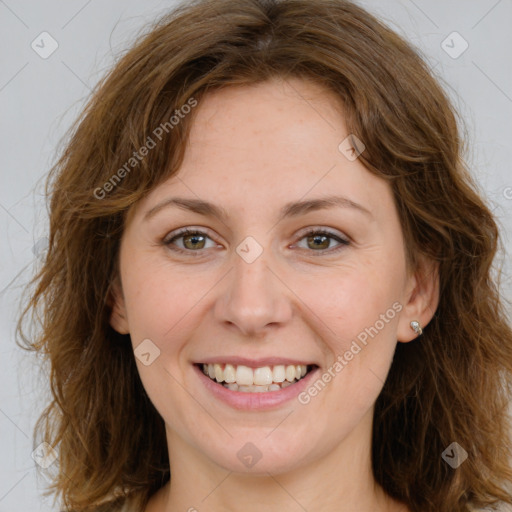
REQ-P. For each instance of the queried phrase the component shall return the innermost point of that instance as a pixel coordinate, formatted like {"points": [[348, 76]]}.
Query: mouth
{"points": [[263, 379]]}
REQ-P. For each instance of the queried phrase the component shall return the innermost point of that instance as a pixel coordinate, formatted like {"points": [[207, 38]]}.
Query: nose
{"points": [[254, 298]]}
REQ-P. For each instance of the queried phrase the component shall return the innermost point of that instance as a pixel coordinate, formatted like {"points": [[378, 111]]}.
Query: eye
{"points": [[192, 239], [320, 240]]}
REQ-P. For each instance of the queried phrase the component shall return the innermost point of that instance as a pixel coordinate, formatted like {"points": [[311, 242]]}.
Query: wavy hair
{"points": [[452, 384]]}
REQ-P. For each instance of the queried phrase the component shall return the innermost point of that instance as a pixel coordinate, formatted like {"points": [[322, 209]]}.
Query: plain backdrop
{"points": [[40, 98]]}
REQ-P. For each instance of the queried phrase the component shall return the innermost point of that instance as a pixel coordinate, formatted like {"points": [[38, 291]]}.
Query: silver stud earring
{"points": [[416, 327]]}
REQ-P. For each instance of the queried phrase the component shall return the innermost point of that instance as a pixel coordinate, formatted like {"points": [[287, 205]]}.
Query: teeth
{"points": [[219, 374], [229, 374], [244, 376], [263, 376], [278, 373], [290, 373], [253, 389], [257, 380]]}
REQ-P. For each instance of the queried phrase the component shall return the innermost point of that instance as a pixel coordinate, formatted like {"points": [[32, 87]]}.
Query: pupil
{"points": [[316, 237], [193, 238]]}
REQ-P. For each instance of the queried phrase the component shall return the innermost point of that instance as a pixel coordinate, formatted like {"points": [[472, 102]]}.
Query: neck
{"points": [[339, 481]]}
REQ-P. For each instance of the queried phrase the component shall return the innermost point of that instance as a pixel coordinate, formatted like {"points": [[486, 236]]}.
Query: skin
{"points": [[253, 149]]}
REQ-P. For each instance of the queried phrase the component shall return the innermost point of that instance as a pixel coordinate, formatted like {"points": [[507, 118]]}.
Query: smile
{"points": [[255, 380]]}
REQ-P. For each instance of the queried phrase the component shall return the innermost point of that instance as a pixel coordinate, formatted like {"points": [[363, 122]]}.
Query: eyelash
{"points": [[187, 231]]}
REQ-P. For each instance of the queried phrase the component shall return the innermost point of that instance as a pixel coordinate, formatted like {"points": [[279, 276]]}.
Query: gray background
{"points": [[40, 98]]}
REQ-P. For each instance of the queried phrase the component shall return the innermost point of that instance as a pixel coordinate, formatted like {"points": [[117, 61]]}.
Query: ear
{"points": [[421, 298], [118, 318]]}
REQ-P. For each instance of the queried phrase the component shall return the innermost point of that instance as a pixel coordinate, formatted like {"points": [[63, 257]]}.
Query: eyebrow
{"points": [[293, 209]]}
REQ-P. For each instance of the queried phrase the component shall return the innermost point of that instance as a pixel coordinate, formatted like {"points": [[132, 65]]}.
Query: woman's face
{"points": [[272, 278]]}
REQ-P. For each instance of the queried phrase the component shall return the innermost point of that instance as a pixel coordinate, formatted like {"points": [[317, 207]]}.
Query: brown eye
{"points": [[191, 241], [194, 241], [320, 241]]}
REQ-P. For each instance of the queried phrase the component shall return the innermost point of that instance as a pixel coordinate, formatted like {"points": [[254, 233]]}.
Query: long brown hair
{"points": [[452, 384]]}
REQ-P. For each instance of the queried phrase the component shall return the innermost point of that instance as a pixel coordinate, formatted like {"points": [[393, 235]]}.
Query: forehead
{"points": [[269, 132], [285, 133], [292, 109], [273, 141]]}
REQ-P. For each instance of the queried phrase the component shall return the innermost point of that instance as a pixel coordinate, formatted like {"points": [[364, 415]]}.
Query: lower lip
{"points": [[255, 401]]}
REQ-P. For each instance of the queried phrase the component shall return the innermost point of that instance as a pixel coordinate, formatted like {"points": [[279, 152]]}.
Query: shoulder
{"points": [[130, 506], [125, 507]]}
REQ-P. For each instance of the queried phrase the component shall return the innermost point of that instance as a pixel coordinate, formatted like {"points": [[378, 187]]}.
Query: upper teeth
{"points": [[246, 376]]}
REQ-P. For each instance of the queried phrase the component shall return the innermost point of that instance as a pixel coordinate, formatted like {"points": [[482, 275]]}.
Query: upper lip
{"points": [[254, 363]]}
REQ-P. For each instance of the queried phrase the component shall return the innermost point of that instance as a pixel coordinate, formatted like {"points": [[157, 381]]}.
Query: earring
{"points": [[416, 327]]}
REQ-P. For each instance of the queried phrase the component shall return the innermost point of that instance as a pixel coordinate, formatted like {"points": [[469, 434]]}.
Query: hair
{"points": [[452, 384]]}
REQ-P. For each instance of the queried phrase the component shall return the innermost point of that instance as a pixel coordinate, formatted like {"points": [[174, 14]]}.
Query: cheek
{"points": [[350, 299], [157, 297], [357, 313], [161, 309]]}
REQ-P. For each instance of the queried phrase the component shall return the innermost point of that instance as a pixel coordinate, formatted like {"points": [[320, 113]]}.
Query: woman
{"points": [[269, 282]]}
